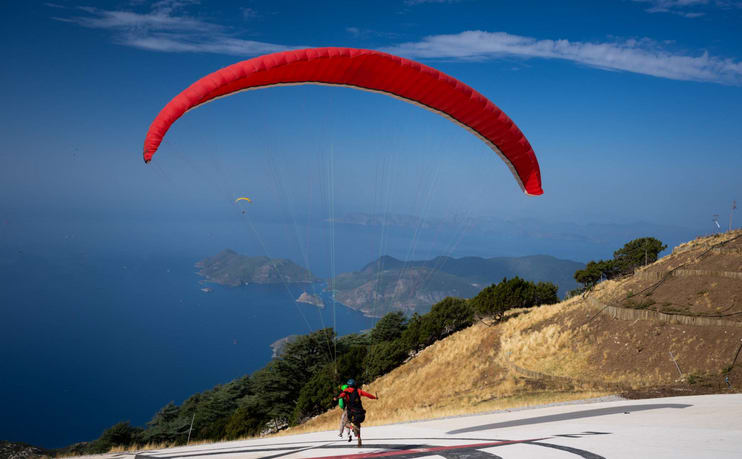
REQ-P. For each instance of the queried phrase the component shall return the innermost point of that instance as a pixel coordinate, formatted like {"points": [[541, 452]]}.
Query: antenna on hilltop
{"points": [[734, 206], [716, 222]]}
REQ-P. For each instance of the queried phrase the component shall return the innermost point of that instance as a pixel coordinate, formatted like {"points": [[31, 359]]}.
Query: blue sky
{"points": [[632, 107]]}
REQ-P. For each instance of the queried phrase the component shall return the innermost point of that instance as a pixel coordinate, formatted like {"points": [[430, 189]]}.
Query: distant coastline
{"points": [[389, 284]]}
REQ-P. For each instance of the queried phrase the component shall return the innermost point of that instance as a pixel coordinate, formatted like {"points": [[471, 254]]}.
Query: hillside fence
{"points": [[531, 374], [645, 314], [658, 275]]}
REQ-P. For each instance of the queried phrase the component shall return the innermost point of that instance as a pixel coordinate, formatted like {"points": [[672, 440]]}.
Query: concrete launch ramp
{"points": [[677, 427]]}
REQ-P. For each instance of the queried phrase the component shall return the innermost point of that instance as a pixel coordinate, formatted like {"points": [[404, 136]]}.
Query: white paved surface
{"points": [[708, 426]]}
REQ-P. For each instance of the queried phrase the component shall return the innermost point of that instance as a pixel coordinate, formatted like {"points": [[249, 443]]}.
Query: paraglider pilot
{"points": [[352, 400]]}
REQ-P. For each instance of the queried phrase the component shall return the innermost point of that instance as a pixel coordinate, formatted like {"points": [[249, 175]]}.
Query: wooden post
{"points": [[191, 428], [734, 206], [676, 363]]}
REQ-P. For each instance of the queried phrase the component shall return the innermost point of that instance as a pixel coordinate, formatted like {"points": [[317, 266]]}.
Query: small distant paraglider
{"points": [[242, 198]]}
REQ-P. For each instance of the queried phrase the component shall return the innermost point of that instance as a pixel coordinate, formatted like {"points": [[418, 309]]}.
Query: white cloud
{"points": [[180, 43], [153, 21], [688, 8], [643, 56], [669, 4], [165, 28], [420, 2]]}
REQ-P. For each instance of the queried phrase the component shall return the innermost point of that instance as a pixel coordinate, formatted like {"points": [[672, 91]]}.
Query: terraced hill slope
{"points": [[681, 334], [701, 278]]}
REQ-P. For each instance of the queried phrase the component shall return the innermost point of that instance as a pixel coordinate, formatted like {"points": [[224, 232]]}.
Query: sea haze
{"points": [[90, 341]]}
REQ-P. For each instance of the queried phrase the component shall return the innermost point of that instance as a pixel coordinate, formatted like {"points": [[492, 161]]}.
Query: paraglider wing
{"points": [[244, 198], [369, 70]]}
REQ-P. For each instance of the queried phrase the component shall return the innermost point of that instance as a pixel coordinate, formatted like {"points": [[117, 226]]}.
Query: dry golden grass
{"points": [[462, 374], [556, 349]]}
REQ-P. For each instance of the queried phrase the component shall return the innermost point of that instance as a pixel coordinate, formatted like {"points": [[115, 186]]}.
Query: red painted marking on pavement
{"points": [[427, 450]]}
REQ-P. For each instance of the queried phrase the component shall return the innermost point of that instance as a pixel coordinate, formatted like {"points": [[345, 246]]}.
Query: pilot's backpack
{"points": [[356, 413]]}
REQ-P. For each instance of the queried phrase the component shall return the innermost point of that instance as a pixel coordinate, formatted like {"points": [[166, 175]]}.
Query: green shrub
{"points": [[494, 301], [121, 434]]}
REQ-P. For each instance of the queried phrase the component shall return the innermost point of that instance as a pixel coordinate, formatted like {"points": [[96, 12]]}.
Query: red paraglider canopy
{"points": [[372, 71]]}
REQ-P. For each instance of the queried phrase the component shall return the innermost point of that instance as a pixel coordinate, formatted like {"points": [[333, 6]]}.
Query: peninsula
{"points": [[311, 299]]}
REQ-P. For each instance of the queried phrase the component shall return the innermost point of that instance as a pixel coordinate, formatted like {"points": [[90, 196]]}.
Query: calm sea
{"points": [[88, 342]]}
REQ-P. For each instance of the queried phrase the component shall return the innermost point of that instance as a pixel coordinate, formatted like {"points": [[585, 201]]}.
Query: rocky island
{"points": [[311, 299], [232, 269]]}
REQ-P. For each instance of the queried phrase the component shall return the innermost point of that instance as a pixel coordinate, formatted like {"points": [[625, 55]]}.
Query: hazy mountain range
{"points": [[389, 284]]}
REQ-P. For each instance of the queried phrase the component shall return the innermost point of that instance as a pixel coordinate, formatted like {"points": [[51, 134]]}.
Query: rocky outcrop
{"points": [[311, 299], [17, 450]]}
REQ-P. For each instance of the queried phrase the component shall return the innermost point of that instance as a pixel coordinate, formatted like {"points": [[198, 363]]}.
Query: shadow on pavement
{"points": [[569, 416]]}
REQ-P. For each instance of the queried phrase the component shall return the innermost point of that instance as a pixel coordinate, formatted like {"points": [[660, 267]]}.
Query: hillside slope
{"points": [[579, 348], [700, 278]]}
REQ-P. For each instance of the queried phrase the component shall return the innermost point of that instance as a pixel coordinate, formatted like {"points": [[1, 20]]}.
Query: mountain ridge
{"points": [[387, 283]]}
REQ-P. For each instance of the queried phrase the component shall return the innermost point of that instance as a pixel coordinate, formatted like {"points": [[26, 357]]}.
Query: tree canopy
{"points": [[632, 255], [495, 300]]}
